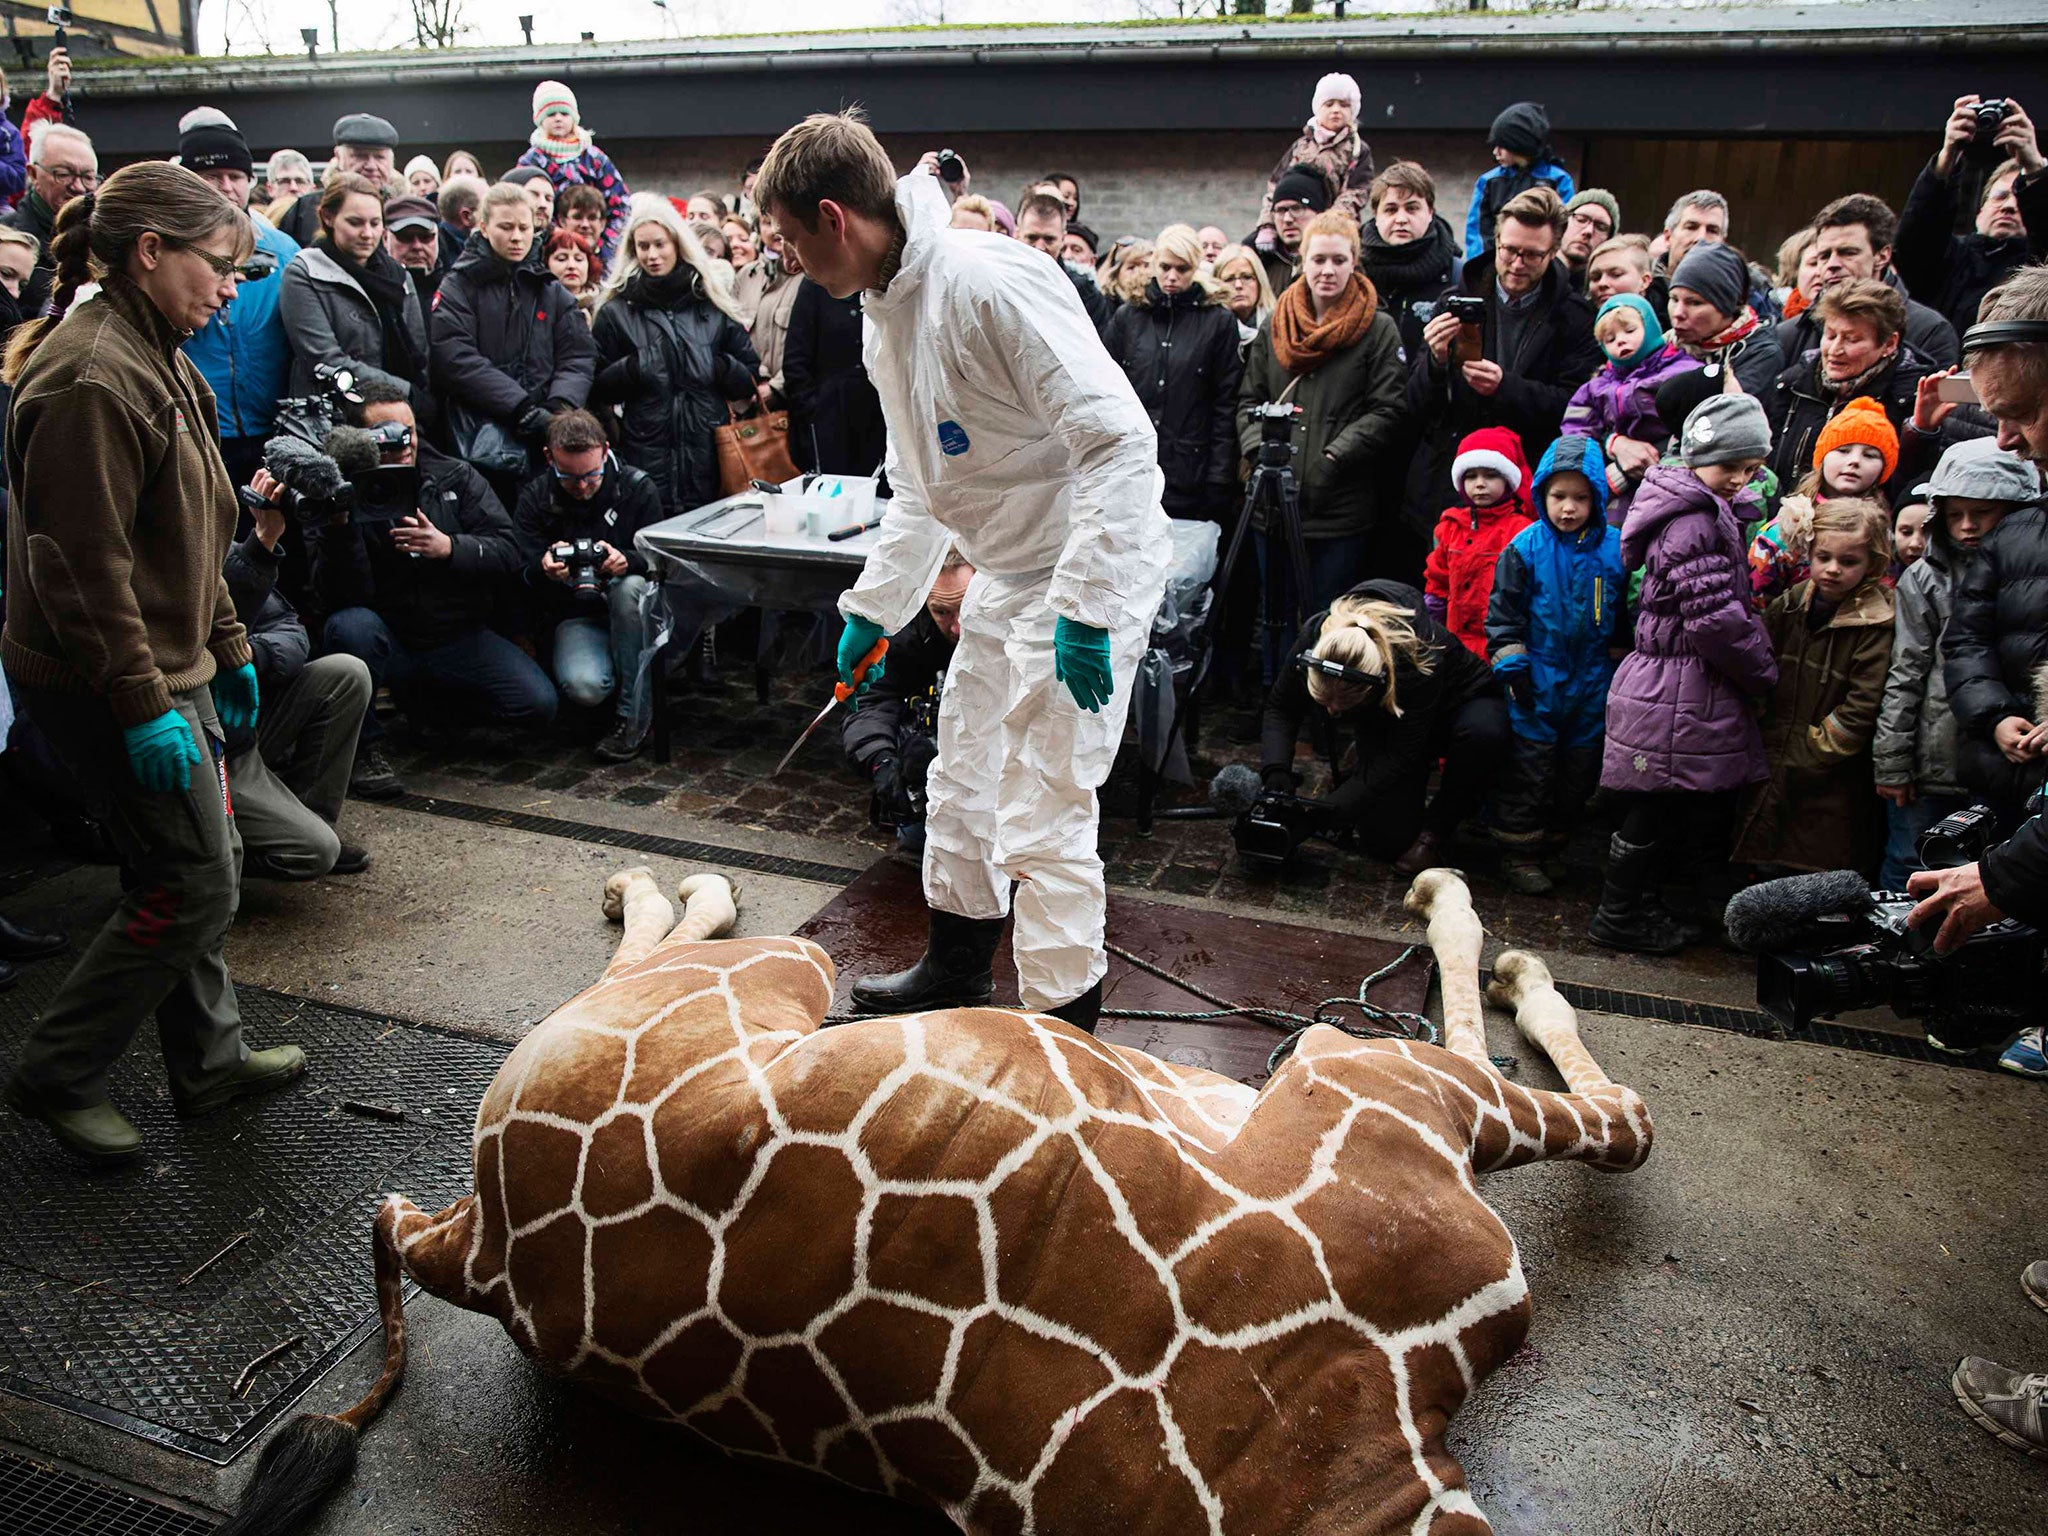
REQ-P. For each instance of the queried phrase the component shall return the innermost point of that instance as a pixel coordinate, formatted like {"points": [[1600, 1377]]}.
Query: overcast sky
{"points": [[388, 23]]}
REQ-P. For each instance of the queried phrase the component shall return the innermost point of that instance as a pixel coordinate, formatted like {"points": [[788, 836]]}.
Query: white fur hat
{"points": [[1336, 88]]}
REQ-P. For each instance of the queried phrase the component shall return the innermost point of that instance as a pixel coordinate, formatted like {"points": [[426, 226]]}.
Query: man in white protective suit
{"points": [[1012, 434]]}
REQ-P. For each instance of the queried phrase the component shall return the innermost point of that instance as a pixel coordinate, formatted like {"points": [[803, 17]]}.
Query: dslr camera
{"points": [[1867, 956], [1276, 433], [586, 581]]}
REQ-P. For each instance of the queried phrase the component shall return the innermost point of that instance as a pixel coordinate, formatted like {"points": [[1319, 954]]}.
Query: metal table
{"points": [[720, 559]]}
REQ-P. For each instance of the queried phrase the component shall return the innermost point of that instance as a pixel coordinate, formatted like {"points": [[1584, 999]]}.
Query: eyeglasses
{"points": [[1591, 221], [412, 234], [223, 266], [588, 477], [71, 177], [1520, 256]]}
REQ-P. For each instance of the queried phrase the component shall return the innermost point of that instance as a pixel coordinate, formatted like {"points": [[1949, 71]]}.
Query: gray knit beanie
{"points": [[1604, 198], [1717, 274], [1723, 429]]}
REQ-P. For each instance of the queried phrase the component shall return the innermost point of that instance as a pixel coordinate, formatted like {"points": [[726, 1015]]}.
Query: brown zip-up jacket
{"points": [[120, 514]]}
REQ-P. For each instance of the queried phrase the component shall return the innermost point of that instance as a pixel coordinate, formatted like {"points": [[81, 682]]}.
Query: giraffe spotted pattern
{"points": [[979, 1259]]}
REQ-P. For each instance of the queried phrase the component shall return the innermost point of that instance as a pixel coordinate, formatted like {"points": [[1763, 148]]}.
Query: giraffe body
{"points": [[980, 1259]]}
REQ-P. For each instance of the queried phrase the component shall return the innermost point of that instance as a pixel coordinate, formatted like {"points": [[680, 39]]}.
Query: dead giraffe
{"points": [[979, 1259]]}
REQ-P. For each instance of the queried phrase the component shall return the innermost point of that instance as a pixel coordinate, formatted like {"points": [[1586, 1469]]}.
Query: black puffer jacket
{"points": [[1409, 278], [504, 338], [624, 504], [835, 416], [1953, 272], [1996, 640], [278, 643], [427, 603], [1798, 406], [1180, 353], [1557, 354], [1391, 748], [672, 359]]}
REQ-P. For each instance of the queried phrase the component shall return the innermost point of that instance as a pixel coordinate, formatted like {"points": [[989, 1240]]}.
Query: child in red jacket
{"points": [[1457, 581]]}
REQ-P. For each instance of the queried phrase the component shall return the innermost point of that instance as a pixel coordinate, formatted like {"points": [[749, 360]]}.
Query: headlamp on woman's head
{"points": [[1372, 684]]}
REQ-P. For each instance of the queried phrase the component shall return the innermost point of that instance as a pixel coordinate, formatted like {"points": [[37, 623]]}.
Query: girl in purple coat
{"points": [[562, 147], [1617, 407], [1681, 735]]}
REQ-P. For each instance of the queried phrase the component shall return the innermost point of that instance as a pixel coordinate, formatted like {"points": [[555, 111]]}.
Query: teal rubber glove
{"points": [[858, 639], [1080, 659], [234, 697], [162, 752]]}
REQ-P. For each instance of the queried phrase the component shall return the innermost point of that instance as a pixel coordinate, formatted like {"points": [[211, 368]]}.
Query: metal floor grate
{"points": [[41, 1500], [138, 1296], [631, 842]]}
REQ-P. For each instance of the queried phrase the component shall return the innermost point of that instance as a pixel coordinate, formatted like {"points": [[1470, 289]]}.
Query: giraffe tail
{"points": [[316, 1453]]}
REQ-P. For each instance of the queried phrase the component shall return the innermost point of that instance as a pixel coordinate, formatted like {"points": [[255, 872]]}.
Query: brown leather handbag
{"points": [[753, 447]]}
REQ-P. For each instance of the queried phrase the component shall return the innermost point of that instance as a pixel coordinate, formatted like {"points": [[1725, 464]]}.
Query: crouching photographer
{"points": [[1375, 665], [288, 774], [576, 521], [410, 569], [892, 735]]}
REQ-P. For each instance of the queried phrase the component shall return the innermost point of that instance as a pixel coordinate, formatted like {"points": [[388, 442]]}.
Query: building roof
{"points": [[1693, 69]]}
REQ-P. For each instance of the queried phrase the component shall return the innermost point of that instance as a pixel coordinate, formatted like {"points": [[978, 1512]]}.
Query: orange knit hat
{"points": [[1863, 421]]}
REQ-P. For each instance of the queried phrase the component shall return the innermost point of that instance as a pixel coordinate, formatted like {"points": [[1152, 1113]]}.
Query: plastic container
{"points": [[832, 502]]}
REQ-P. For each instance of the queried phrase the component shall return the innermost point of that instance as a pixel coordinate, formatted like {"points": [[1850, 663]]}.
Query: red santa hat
{"points": [[1497, 449]]}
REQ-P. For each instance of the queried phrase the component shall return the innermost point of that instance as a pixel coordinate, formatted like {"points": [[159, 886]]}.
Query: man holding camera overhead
{"points": [[413, 596], [576, 521], [1952, 273]]}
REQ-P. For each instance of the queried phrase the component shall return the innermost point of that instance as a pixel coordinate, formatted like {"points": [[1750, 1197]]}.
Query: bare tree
{"points": [[438, 23]]}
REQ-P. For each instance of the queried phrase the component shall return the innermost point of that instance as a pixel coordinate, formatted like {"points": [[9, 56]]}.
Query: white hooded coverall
{"points": [[1012, 434]]}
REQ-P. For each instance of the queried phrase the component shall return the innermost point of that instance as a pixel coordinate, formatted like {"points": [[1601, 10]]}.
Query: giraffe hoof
{"points": [[615, 891], [1515, 973]]}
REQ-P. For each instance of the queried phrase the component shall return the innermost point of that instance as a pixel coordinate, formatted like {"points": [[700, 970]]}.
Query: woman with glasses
{"points": [[671, 354], [124, 643], [347, 303]]}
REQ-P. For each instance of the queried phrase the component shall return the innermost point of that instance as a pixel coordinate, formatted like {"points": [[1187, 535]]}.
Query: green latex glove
{"points": [[162, 752], [1080, 659], [855, 642], [234, 697]]}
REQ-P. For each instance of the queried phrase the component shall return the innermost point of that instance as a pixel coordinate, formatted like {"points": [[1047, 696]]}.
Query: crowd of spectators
{"points": [[1515, 447]]}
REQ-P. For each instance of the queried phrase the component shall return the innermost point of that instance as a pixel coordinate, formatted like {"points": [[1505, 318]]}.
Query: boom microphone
{"points": [[353, 450], [303, 468], [1779, 915], [1235, 790]]}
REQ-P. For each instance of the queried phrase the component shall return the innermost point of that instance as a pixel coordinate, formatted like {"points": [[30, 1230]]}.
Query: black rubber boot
{"points": [[1082, 1012], [1629, 918], [956, 971]]}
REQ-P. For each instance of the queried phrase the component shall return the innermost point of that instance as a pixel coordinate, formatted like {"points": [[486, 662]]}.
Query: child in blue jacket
{"points": [[1523, 158], [1557, 625]]}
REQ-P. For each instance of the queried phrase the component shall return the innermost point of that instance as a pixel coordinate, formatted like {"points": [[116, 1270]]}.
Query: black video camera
{"points": [[310, 418], [1276, 825], [1979, 996], [586, 581], [1276, 433], [1982, 148]]}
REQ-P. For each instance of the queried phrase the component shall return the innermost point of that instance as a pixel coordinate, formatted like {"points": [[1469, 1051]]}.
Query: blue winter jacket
{"points": [[1491, 192], [1559, 610], [243, 353], [13, 164]]}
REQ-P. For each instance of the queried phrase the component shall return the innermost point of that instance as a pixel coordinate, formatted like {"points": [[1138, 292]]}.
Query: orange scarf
{"points": [[1303, 343]]}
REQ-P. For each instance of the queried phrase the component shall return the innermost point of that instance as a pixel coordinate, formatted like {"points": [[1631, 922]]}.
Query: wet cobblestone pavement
{"points": [[726, 743]]}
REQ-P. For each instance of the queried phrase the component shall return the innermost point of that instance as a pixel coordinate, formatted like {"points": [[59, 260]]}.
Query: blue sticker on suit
{"points": [[952, 439]]}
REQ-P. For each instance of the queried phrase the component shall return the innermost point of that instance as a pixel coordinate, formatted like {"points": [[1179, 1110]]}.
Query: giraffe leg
{"points": [[1522, 982], [632, 897], [1440, 898], [710, 907]]}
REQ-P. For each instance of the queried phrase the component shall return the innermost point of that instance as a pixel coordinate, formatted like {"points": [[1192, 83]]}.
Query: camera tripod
{"points": [[1284, 595]]}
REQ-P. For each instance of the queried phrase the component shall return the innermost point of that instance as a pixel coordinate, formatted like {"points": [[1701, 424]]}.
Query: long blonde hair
{"points": [[652, 208], [1371, 636], [97, 232], [1116, 267], [1180, 240]]}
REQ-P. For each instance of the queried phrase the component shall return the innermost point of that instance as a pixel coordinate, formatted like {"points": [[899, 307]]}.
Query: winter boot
{"points": [[1082, 1012], [1627, 918], [260, 1073], [956, 971], [99, 1133]]}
